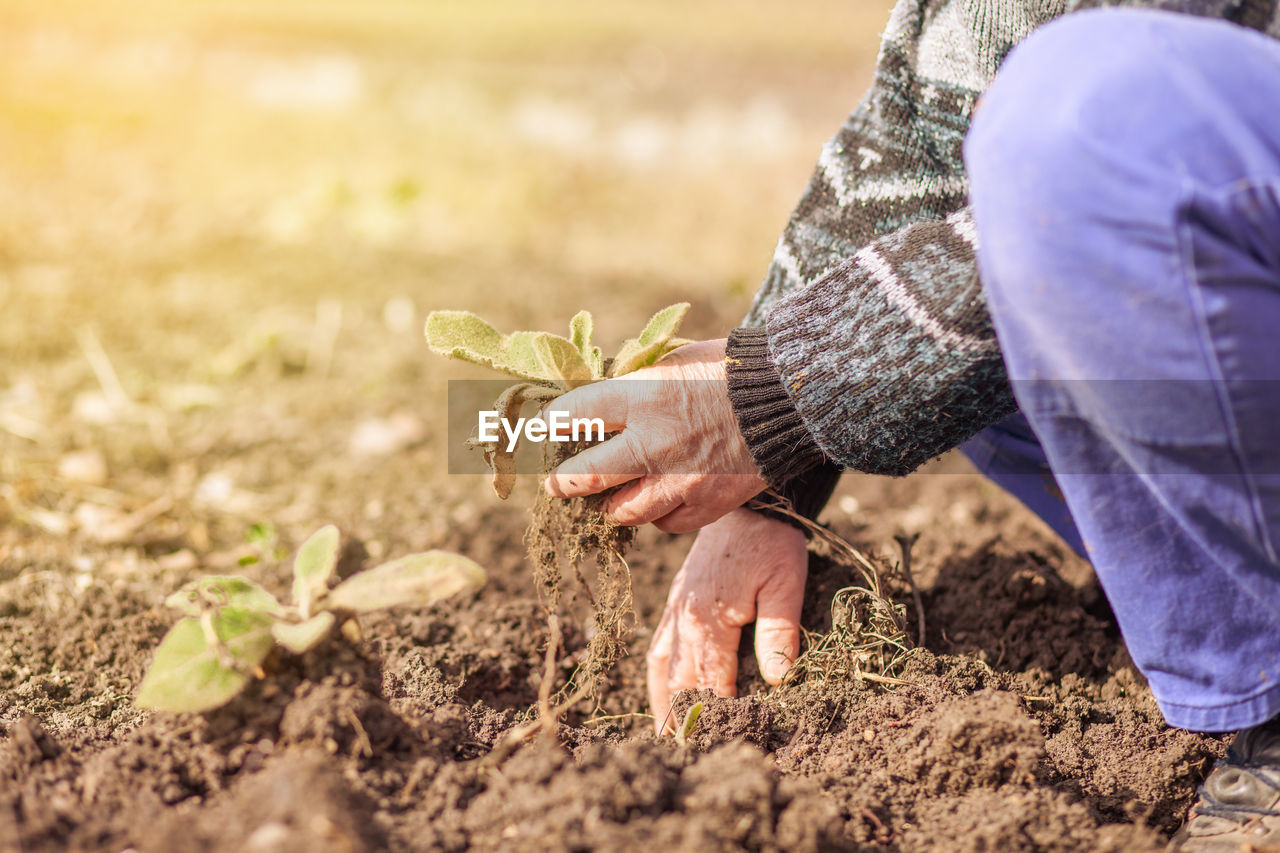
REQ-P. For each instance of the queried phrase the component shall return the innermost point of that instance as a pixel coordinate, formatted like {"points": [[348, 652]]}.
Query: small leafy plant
{"points": [[230, 624], [548, 364], [562, 534], [548, 359]]}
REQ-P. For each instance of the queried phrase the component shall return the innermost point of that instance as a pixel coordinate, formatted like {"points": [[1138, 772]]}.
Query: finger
{"points": [[563, 427], [657, 673], [606, 400], [640, 502], [704, 655], [778, 607], [598, 468], [685, 519]]}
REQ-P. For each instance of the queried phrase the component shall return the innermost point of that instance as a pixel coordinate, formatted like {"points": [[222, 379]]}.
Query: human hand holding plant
{"points": [[744, 568], [678, 454]]}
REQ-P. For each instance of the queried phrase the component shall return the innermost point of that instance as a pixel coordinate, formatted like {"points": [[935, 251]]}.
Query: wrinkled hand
{"points": [[679, 451], [743, 568]]}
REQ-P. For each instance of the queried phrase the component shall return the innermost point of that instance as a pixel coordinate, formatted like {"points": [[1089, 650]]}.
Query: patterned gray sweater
{"points": [[869, 345]]}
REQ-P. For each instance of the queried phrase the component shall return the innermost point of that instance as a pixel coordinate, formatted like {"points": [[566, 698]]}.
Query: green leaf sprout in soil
{"points": [[690, 723], [230, 624]]}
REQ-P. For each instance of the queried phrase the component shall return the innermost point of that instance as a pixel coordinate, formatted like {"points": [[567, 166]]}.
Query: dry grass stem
{"points": [[868, 639], [905, 542]]}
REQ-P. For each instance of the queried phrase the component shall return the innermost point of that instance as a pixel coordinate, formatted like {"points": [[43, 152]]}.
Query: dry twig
{"points": [[548, 675], [905, 542], [548, 715]]}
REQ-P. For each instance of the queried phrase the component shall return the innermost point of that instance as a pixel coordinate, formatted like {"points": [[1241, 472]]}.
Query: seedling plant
{"points": [[548, 364], [689, 723], [562, 534], [230, 624]]}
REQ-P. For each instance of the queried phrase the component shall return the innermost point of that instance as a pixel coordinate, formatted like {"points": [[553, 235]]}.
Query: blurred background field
{"points": [[489, 143], [221, 225]]}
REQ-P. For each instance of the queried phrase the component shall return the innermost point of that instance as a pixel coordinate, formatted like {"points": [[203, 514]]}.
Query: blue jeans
{"points": [[1125, 182]]}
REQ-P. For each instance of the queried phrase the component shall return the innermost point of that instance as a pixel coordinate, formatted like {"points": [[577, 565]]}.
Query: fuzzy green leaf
{"points": [[653, 342], [302, 636], [669, 347], [595, 360], [560, 360], [191, 673], [222, 591], [580, 330], [663, 325], [314, 565], [418, 579], [466, 337]]}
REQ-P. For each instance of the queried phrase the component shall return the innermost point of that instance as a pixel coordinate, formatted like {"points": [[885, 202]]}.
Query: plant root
{"points": [[564, 536]]}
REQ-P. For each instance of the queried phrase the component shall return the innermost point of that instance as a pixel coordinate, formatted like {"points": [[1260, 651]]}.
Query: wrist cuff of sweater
{"points": [[775, 434]]}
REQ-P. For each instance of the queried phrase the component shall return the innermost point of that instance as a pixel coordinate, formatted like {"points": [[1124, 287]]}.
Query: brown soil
{"points": [[1023, 726]]}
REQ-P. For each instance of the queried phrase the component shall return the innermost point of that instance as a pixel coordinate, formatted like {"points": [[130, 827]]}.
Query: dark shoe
{"points": [[1239, 807]]}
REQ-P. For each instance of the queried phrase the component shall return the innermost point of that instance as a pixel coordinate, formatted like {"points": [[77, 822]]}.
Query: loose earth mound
{"points": [[1022, 725]]}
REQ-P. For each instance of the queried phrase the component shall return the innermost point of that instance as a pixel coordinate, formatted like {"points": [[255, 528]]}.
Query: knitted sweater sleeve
{"points": [[869, 345], [886, 361]]}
